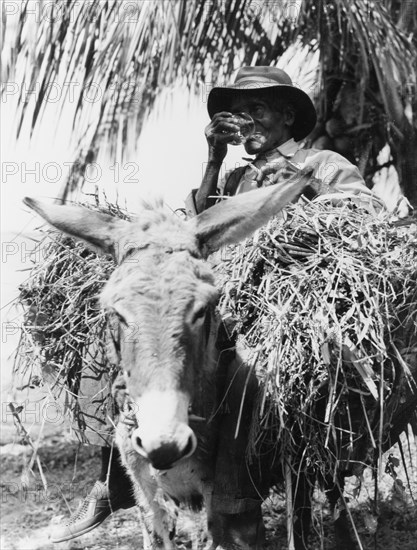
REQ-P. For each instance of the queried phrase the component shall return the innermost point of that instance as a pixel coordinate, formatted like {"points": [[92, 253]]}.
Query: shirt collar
{"points": [[286, 150]]}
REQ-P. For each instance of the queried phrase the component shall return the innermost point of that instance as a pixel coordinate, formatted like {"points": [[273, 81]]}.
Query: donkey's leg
{"points": [[342, 531], [158, 528]]}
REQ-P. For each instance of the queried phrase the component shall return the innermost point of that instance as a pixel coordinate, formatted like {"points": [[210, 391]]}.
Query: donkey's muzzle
{"points": [[162, 451]]}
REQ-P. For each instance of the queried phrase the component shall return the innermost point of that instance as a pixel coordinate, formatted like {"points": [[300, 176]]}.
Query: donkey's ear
{"points": [[97, 229], [236, 218]]}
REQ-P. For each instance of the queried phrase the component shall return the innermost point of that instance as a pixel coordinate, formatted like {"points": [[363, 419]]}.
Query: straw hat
{"points": [[250, 80]]}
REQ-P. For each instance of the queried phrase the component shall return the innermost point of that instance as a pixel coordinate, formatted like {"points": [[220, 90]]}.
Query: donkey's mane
{"points": [[158, 227]]}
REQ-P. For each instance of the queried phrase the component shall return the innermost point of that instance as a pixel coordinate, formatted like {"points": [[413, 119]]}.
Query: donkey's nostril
{"points": [[190, 447], [137, 444], [163, 452]]}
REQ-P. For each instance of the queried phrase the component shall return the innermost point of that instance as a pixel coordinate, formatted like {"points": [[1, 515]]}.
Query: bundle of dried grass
{"points": [[63, 319], [325, 299]]}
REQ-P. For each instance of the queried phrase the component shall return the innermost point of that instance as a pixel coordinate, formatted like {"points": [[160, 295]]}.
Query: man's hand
{"points": [[221, 131], [274, 172]]}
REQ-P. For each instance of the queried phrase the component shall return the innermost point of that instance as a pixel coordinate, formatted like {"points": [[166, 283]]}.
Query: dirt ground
{"points": [[27, 515]]}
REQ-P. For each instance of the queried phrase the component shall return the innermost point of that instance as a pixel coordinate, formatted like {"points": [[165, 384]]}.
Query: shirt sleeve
{"points": [[341, 177]]}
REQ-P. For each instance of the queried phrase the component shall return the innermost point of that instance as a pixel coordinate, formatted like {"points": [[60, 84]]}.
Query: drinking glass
{"points": [[246, 128]]}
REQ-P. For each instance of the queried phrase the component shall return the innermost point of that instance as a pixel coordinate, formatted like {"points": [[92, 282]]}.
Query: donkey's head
{"points": [[163, 294]]}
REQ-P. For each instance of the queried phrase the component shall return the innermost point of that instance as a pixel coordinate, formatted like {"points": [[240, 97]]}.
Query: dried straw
{"points": [[63, 318], [325, 297]]}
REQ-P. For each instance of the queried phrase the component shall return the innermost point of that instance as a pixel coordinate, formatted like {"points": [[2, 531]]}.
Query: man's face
{"points": [[272, 128]]}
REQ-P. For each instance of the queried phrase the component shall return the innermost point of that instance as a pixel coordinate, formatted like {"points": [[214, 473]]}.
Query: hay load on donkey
{"points": [[325, 304], [325, 298]]}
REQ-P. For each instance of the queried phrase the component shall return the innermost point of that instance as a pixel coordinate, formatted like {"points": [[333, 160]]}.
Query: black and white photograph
{"points": [[208, 275]]}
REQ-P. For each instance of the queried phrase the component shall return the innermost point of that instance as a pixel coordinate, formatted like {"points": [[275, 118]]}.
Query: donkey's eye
{"points": [[199, 314]]}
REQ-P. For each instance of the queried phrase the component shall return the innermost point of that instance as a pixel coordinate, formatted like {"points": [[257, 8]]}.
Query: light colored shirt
{"points": [[338, 178]]}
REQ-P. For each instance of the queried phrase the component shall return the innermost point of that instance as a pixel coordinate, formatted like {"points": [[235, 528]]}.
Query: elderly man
{"points": [[283, 116]]}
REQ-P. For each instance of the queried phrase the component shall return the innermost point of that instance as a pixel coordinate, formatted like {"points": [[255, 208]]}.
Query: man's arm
{"points": [[221, 131], [206, 193], [341, 177]]}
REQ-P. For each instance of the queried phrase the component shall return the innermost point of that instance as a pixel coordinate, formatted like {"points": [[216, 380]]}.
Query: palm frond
{"points": [[115, 56]]}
